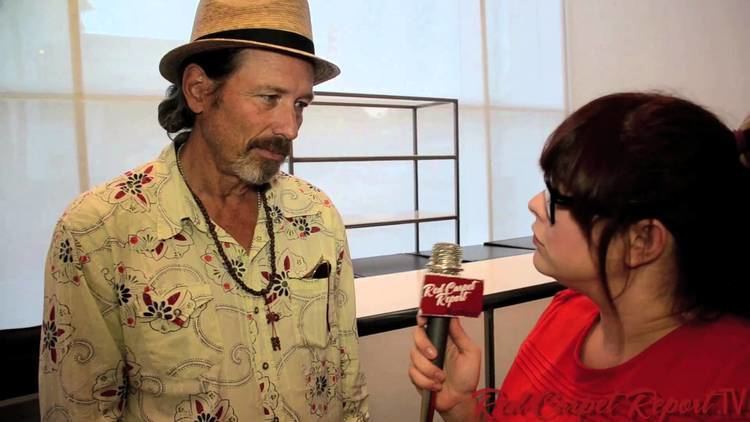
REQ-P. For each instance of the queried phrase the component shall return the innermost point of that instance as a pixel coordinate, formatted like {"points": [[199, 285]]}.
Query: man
{"points": [[206, 285]]}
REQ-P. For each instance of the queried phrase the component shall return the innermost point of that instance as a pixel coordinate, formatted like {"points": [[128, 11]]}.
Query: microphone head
{"points": [[446, 259]]}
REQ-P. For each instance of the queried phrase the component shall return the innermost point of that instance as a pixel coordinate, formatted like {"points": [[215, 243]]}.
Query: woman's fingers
{"points": [[424, 375], [463, 342], [456, 331], [421, 382], [423, 343], [423, 364]]}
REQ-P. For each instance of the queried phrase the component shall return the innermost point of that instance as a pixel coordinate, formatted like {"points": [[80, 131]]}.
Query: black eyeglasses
{"points": [[553, 197]]}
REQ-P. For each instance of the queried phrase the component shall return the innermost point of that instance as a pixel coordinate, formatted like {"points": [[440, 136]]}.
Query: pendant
{"points": [[275, 343], [272, 317]]}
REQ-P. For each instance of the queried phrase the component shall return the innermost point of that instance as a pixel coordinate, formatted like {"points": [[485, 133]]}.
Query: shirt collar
{"points": [[288, 195]]}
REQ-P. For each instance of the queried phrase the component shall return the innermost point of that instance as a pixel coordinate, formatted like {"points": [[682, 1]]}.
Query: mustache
{"points": [[276, 144]]}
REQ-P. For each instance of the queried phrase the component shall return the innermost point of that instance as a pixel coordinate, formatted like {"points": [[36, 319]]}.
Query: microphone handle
{"points": [[437, 332]]}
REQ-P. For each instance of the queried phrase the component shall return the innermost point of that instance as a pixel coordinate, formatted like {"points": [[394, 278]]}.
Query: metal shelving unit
{"points": [[415, 104]]}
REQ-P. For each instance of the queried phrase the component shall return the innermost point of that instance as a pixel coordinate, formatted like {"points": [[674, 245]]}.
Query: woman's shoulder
{"points": [[568, 295], [704, 355], [727, 334], [567, 314], [726, 338], [569, 303]]}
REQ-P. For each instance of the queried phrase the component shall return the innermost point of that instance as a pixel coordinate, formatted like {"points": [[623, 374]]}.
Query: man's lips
{"points": [[269, 155]]}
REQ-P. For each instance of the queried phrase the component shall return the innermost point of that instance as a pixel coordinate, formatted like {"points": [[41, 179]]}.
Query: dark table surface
{"points": [[516, 242]]}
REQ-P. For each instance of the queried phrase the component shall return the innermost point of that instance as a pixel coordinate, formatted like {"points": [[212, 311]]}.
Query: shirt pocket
{"points": [[310, 304], [177, 334]]}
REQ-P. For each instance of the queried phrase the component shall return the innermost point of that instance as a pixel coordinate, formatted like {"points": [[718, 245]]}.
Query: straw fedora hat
{"points": [[278, 25]]}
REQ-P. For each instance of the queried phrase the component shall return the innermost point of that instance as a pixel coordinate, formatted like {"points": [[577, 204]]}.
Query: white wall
{"points": [[525, 100], [697, 49]]}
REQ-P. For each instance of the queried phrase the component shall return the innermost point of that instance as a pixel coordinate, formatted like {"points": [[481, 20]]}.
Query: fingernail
{"points": [[431, 352]]}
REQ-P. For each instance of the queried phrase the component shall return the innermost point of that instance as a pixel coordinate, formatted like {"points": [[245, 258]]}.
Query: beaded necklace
{"points": [[271, 317]]}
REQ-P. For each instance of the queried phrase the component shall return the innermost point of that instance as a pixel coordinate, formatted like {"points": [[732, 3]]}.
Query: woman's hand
{"points": [[463, 358]]}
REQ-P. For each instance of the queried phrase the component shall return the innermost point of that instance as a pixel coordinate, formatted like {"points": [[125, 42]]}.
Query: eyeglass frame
{"points": [[552, 198]]}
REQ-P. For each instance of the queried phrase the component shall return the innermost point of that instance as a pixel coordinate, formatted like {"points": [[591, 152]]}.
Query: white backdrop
{"points": [[79, 88]]}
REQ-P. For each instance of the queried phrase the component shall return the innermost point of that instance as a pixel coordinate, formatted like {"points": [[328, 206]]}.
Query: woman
{"points": [[645, 220]]}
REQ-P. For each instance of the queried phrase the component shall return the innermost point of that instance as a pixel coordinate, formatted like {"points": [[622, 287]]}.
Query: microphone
{"points": [[445, 295]]}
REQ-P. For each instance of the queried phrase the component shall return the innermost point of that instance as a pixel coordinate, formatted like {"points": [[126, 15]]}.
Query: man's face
{"points": [[256, 113]]}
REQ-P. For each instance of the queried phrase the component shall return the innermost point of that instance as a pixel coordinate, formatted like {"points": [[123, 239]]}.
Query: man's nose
{"points": [[287, 122]]}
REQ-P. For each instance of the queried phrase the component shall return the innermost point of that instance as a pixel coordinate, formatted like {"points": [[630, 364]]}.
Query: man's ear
{"points": [[648, 240], [196, 86]]}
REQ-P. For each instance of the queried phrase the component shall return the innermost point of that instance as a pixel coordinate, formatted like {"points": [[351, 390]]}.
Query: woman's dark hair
{"points": [[743, 141], [174, 114], [633, 156]]}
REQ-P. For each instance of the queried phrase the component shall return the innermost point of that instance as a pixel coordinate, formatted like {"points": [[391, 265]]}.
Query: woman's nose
{"points": [[537, 206]]}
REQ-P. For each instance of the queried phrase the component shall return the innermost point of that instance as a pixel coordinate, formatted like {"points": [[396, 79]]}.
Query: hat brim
{"points": [[170, 64]]}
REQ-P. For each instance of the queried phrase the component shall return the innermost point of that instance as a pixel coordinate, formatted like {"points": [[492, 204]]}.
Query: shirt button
{"points": [[256, 310], [265, 366]]}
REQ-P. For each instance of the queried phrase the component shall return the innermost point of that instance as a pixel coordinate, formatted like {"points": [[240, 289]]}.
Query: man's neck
{"points": [[206, 179], [229, 202]]}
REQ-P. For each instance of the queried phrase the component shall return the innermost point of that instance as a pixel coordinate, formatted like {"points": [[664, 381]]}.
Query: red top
{"points": [[699, 371]]}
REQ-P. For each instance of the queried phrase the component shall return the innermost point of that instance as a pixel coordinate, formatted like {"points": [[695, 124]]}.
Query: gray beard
{"points": [[255, 171]]}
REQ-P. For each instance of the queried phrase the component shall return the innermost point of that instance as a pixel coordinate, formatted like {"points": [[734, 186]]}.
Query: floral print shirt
{"points": [[142, 321]]}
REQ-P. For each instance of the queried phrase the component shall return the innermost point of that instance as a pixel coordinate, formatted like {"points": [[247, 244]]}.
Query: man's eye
{"points": [[271, 99], [302, 104]]}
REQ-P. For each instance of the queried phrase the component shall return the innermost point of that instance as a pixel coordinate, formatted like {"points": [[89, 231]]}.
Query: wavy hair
{"points": [[174, 114]]}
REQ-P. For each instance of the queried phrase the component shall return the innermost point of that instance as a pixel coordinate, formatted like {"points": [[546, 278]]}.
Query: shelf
{"points": [[373, 158], [384, 101], [353, 221], [432, 120]]}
